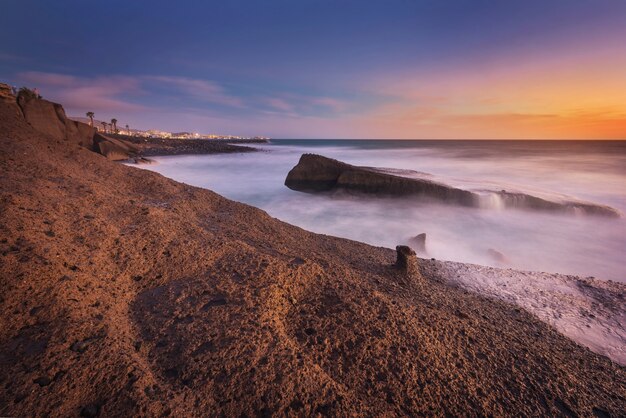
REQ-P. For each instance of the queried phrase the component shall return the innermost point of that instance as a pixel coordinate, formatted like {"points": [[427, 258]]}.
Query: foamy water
{"points": [[529, 240], [548, 262]]}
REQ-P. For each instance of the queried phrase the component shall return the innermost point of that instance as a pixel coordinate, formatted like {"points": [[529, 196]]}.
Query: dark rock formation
{"points": [[315, 173], [524, 201], [418, 243], [497, 256], [113, 148], [318, 173], [149, 147]]}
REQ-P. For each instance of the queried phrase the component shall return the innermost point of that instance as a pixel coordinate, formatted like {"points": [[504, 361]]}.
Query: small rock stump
{"points": [[406, 261]]}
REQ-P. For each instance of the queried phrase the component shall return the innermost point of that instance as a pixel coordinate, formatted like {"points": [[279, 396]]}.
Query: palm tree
{"points": [[90, 115], [114, 123], [127, 130], [104, 126]]}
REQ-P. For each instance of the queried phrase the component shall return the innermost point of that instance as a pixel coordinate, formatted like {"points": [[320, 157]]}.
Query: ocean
{"points": [[568, 243]]}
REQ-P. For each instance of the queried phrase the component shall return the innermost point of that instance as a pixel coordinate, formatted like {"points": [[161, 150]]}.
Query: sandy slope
{"points": [[126, 293]]}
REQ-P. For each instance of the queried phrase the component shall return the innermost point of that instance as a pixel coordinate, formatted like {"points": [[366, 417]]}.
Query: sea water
{"points": [[583, 245]]}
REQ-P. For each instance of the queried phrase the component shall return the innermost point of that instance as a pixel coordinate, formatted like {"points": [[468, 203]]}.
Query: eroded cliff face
{"points": [[50, 119], [316, 173]]}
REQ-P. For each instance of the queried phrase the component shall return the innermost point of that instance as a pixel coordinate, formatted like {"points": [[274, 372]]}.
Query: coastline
{"points": [[127, 293], [158, 147], [587, 310]]}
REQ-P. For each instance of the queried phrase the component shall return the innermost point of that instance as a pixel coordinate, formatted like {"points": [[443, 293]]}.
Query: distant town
{"points": [[113, 128]]}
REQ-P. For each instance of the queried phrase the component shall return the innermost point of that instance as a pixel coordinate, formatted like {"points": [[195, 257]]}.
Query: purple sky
{"points": [[329, 69]]}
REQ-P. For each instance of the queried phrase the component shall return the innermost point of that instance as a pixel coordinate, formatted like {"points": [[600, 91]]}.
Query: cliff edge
{"points": [[49, 118]]}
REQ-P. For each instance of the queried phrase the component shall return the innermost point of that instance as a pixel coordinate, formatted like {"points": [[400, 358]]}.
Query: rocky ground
{"points": [[125, 293], [150, 147]]}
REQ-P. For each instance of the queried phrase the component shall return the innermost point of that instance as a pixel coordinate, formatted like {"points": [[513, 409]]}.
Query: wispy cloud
{"points": [[97, 93], [5, 57], [124, 93], [204, 90], [298, 105], [279, 104]]}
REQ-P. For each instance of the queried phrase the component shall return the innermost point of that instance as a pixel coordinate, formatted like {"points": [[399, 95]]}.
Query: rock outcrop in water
{"points": [[418, 243], [315, 173]]}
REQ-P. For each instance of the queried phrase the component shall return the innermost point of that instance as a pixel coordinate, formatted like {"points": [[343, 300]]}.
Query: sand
{"points": [[125, 293]]}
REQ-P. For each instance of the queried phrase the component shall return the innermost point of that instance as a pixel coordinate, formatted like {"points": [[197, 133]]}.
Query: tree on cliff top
{"points": [[104, 126], [90, 115], [26, 94], [114, 123]]}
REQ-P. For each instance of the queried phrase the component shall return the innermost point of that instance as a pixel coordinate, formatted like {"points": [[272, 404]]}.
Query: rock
{"points": [[49, 118], [524, 201], [406, 261], [113, 148], [90, 411], [80, 346], [497, 256], [317, 173], [418, 243], [43, 381]]}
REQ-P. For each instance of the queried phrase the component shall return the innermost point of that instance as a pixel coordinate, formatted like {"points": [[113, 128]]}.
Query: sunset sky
{"points": [[329, 69]]}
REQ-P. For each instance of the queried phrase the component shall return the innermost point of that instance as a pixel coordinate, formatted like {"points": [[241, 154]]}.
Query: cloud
{"points": [[504, 107], [297, 105], [105, 94], [203, 90], [405, 122], [4, 57], [279, 104], [121, 93], [335, 105]]}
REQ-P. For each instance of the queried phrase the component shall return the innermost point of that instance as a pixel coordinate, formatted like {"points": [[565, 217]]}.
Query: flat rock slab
{"points": [[316, 173]]}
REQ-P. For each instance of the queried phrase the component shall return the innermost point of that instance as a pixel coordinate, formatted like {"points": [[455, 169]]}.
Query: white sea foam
{"points": [[581, 245], [590, 312]]}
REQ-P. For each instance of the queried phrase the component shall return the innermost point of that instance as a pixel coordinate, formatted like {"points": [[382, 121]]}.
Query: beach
{"points": [[125, 292]]}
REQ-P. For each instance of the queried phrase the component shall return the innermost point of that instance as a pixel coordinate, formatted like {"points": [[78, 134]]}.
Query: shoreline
{"points": [[128, 293], [590, 316], [159, 147]]}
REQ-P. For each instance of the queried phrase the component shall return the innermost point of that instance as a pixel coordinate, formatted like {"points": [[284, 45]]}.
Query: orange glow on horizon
{"points": [[581, 96]]}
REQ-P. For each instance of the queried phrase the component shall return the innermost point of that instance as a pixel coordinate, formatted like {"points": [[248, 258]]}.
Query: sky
{"points": [[402, 69]]}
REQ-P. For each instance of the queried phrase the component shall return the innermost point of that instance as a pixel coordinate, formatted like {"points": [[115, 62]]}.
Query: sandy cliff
{"points": [[125, 293], [49, 118]]}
